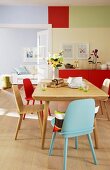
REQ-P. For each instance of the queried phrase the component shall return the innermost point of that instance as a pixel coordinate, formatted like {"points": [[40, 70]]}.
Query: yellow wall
{"points": [[98, 38]]}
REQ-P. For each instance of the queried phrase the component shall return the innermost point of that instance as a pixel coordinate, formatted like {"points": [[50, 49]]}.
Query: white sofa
{"points": [[18, 79], [36, 74]]}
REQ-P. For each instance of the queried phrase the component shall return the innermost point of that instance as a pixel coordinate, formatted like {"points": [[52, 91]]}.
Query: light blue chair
{"points": [[78, 121]]}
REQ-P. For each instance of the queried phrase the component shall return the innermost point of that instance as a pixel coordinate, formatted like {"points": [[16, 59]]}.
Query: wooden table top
{"points": [[67, 94]]}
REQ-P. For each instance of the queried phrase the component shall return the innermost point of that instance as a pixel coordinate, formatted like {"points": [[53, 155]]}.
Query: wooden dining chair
{"points": [[25, 109], [105, 88]]}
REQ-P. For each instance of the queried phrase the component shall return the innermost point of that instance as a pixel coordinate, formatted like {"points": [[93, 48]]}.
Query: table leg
{"points": [[96, 134], [45, 115]]}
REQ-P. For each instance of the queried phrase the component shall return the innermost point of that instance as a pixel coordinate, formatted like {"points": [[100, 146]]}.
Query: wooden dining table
{"points": [[66, 93]]}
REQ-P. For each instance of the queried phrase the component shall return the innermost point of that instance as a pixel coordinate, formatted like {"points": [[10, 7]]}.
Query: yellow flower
{"points": [[56, 60]]}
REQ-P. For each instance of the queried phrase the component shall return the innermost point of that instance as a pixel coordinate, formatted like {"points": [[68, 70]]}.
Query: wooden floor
{"points": [[26, 153]]}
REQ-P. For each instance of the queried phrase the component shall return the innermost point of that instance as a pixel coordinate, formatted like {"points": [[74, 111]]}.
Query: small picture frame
{"points": [[68, 51], [83, 51], [30, 54]]}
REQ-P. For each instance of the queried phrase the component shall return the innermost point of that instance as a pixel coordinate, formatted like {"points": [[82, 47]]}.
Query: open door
{"points": [[43, 49], [43, 45]]}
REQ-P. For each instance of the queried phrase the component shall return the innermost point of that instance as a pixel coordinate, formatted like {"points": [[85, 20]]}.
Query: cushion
{"points": [[59, 117], [21, 70]]}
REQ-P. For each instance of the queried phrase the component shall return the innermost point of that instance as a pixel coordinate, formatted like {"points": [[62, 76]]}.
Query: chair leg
{"points": [[106, 110], [65, 152], [19, 125], [101, 107], [52, 143], [28, 102], [40, 101], [76, 142], [33, 102], [25, 114], [95, 131], [49, 112], [48, 109], [92, 148]]}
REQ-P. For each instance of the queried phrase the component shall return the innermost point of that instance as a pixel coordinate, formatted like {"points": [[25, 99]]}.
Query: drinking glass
{"points": [[43, 86], [86, 88]]}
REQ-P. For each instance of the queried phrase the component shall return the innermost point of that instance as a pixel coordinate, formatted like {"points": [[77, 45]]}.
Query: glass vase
{"points": [[54, 72]]}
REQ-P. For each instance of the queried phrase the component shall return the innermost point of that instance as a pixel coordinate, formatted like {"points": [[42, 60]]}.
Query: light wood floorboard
{"points": [[25, 153]]}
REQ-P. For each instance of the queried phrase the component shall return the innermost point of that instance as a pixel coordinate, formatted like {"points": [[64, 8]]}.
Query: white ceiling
{"points": [[55, 2]]}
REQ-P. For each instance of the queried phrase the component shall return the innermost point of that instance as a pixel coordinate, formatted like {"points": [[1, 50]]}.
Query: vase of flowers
{"points": [[56, 61], [93, 59]]}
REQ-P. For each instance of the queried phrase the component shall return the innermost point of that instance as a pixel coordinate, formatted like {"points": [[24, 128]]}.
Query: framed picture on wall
{"points": [[30, 54], [83, 51], [68, 51]]}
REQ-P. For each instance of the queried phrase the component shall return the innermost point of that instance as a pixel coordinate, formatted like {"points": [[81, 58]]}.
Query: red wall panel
{"points": [[58, 16]]}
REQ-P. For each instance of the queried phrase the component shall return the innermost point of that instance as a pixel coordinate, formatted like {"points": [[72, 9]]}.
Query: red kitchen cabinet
{"points": [[94, 76], [97, 76], [73, 73]]}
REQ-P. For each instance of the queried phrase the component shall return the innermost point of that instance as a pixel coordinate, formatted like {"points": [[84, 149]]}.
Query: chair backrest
{"points": [[106, 85], [79, 117], [18, 99], [28, 87]]}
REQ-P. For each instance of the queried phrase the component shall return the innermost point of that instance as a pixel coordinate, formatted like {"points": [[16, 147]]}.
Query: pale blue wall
{"points": [[12, 44], [23, 15], [12, 41]]}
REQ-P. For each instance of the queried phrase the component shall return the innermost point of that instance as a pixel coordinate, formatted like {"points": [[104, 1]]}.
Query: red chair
{"points": [[29, 89]]}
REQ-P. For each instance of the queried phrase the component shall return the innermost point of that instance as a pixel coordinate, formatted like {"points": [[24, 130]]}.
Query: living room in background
{"points": [[21, 37]]}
